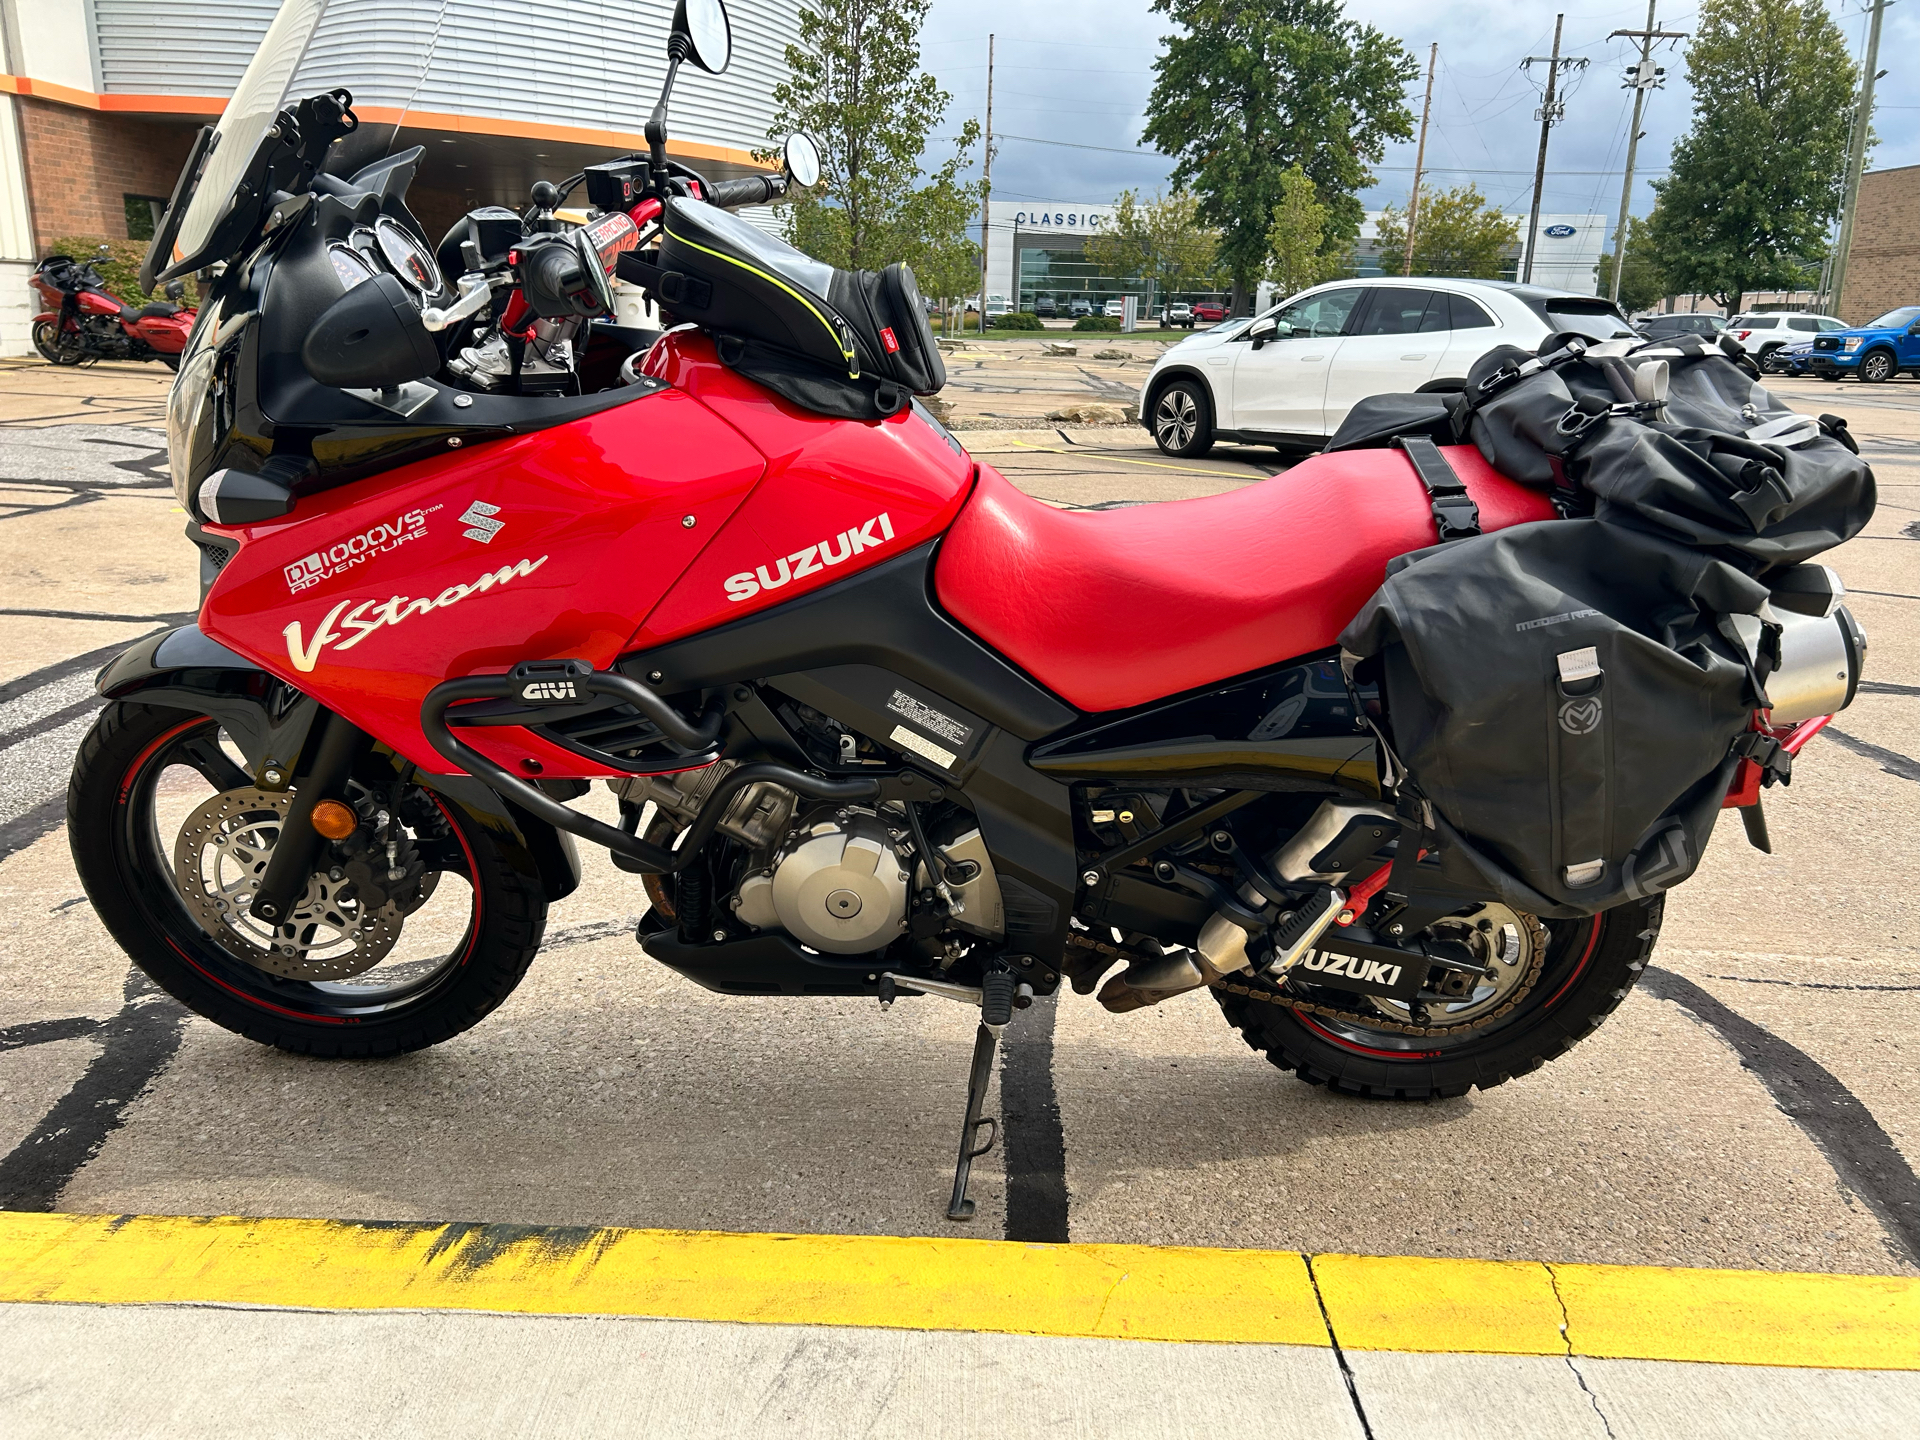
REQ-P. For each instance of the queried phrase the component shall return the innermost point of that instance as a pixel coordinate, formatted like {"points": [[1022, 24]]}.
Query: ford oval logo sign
{"points": [[1559, 232]]}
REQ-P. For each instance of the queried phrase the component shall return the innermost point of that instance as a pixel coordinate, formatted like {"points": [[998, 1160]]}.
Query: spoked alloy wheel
{"points": [[1544, 987], [1183, 420], [55, 347], [1876, 367], [384, 951]]}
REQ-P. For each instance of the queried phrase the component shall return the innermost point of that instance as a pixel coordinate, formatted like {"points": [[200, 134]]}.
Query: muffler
{"points": [[1822, 647], [1337, 837]]}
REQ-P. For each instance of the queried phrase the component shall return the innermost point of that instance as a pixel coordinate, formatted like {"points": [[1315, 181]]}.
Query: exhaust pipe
{"points": [[1336, 838]]}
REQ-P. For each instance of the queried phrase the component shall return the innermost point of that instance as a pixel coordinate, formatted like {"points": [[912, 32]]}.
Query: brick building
{"points": [[100, 101], [1883, 265]]}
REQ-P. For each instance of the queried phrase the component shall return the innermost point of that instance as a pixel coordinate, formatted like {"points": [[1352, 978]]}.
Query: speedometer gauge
{"points": [[350, 265], [411, 260]]}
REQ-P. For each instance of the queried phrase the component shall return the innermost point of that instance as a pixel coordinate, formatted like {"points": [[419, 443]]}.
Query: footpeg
{"points": [[996, 1009]]}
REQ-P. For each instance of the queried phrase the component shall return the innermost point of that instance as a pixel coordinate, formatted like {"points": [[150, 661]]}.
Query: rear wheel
{"points": [[1548, 985], [1183, 420], [387, 950]]}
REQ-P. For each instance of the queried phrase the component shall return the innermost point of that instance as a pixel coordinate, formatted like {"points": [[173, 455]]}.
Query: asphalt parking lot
{"points": [[1755, 1104]]}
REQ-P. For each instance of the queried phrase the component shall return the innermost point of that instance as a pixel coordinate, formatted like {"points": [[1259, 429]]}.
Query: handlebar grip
{"points": [[754, 190]]}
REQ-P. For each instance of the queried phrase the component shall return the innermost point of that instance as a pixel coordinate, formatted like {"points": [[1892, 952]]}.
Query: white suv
{"points": [[1288, 376], [1764, 334]]}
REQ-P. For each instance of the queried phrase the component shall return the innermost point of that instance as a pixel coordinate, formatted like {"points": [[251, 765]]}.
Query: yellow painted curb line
{"points": [[1134, 1292]]}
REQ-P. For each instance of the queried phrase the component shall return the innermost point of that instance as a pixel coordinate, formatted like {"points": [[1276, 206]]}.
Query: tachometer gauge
{"points": [[411, 260], [350, 265]]}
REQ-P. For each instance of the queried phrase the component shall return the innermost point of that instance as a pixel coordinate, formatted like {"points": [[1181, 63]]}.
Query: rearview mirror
{"points": [[708, 34], [1263, 330], [802, 160], [370, 338]]}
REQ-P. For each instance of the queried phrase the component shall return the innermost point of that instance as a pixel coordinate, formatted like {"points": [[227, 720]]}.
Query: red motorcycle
{"points": [[874, 722], [84, 321]]}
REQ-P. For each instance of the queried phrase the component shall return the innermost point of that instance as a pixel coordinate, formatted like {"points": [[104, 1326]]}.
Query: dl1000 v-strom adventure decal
{"points": [[366, 616]]}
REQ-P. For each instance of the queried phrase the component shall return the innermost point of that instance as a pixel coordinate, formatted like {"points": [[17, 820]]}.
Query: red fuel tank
{"points": [[839, 495]]}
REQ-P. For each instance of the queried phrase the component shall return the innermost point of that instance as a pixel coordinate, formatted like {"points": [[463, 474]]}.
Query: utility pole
{"points": [[1420, 159], [1550, 113], [986, 192], [1643, 77], [1857, 159]]}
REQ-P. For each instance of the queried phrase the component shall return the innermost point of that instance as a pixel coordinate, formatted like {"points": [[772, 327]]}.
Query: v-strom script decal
{"points": [[363, 617], [810, 561]]}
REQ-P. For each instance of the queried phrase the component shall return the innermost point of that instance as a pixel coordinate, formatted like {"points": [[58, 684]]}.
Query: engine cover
{"points": [[842, 888]]}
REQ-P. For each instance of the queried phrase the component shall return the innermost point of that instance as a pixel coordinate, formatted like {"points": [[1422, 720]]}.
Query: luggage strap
{"points": [[1773, 758], [672, 287], [1455, 515]]}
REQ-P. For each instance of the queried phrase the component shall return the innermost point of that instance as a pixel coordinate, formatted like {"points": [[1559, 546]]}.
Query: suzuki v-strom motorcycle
{"points": [[84, 321], [877, 724]]}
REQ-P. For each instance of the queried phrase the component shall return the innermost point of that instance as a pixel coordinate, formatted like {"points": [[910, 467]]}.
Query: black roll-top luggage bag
{"points": [[1567, 695], [849, 343]]}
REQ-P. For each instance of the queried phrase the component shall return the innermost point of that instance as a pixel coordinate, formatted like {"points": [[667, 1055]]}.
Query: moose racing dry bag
{"points": [[1570, 698], [849, 343]]}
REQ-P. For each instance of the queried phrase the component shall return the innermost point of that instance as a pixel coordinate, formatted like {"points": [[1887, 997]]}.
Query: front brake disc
{"points": [[218, 862]]}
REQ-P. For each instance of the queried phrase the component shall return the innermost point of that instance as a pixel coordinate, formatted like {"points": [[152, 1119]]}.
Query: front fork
{"points": [[337, 749]]}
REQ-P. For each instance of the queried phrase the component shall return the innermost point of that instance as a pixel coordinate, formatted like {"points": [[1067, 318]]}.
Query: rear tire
{"points": [[1183, 420], [124, 856], [1591, 965]]}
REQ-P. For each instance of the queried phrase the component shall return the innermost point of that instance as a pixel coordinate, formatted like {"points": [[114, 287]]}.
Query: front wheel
{"points": [[408, 932], [55, 346], [1183, 420], [1547, 986], [1876, 367]]}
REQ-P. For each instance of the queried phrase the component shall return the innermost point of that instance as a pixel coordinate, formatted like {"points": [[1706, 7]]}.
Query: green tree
{"points": [[1455, 233], [855, 85], [1297, 251], [1642, 283], [1248, 89], [1160, 240], [1756, 182]]}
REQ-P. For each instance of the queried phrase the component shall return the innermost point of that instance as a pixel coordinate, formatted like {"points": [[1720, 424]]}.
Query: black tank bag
{"points": [[854, 344]]}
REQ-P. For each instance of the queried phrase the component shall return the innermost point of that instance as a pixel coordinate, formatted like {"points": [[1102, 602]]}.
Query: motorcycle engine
{"points": [[839, 884], [841, 879]]}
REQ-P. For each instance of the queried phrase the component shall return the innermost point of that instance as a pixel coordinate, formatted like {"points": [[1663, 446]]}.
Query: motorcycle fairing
{"points": [[548, 545], [1117, 608]]}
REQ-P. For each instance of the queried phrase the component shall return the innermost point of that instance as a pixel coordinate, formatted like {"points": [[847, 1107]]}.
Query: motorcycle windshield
{"points": [[242, 130]]}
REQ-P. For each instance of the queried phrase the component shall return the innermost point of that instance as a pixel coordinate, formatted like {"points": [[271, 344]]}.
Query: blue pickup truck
{"points": [[1876, 351]]}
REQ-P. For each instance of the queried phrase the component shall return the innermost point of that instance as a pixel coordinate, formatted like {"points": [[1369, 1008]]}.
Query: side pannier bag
{"points": [[1567, 697], [849, 343]]}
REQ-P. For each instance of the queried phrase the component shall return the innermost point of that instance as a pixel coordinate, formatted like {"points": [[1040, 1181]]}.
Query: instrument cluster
{"points": [[386, 245]]}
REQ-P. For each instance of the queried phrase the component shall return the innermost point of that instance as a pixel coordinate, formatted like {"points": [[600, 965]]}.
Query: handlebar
{"points": [[754, 190]]}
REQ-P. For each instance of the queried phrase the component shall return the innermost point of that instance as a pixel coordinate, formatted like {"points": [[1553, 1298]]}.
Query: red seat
{"points": [[1111, 609]]}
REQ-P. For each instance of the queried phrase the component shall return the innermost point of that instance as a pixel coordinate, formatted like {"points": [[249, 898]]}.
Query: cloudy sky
{"points": [[1079, 71]]}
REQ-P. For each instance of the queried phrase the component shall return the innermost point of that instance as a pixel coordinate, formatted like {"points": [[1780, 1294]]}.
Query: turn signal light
{"points": [[335, 820]]}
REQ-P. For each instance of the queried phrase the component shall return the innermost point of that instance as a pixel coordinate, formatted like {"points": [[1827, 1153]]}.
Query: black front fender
{"points": [[270, 721]]}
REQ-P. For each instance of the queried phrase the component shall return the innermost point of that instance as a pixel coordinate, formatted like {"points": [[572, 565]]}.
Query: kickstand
{"points": [[996, 1009]]}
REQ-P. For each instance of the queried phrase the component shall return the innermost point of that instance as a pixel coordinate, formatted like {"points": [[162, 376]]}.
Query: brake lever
{"points": [[475, 291]]}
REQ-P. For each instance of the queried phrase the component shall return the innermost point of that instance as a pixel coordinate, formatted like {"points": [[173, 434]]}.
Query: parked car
{"points": [[1078, 308], [1114, 308], [1211, 311], [1764, 334], [1790, 359], [1876, 351], [1665, 327], [1177, 314], [1289, 376], [1043, 306]]}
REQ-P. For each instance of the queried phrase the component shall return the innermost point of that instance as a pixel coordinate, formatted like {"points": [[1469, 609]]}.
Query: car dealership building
{"points": [[100, 100], [1038, 248]]}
